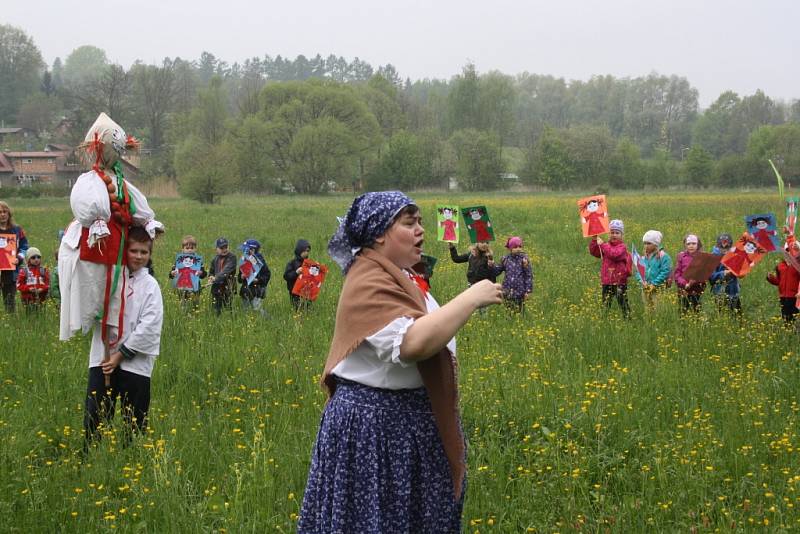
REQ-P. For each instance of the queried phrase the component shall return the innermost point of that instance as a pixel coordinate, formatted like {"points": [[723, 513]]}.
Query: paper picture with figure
{"points": [[310, 280], [250, 266], [478, 223], [447, 223], [188, 267], [425, 266], [791, 214], [8, 252], [744, 256], [763, 229], [594, 215]]}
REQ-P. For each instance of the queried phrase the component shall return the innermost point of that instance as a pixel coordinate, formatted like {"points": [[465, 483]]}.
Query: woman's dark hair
{"points": [[411, 209]]}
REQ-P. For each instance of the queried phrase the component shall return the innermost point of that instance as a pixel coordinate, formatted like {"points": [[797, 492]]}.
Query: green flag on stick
{"points": [[780, 180]]}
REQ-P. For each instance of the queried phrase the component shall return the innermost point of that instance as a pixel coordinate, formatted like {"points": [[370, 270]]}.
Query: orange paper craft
{"points": [[310, 280], [744, 256]]}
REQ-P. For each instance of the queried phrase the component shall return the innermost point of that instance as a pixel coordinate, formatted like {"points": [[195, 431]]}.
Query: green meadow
{"points": [[576, 420]]}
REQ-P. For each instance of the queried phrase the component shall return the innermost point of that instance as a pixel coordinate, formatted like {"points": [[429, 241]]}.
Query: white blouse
{"points": [[376, 362]]}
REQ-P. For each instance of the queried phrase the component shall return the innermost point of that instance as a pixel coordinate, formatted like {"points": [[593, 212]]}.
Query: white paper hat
{"points": [[107, 132]]}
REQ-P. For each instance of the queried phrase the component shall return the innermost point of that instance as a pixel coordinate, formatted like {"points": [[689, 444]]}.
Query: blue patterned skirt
{"points": [[378, 465]]}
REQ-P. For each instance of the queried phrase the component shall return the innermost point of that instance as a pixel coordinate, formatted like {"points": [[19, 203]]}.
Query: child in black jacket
{"points": [[301, 251], [480, 262], [221, 275]]}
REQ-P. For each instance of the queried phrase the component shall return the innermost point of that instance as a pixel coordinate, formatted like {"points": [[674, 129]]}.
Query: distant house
{"points": [[30, 168], [16, 135], [6, 171], [57, 164]]}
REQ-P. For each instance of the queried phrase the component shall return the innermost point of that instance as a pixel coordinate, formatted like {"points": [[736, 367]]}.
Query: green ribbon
{"points": [[117, 167]]}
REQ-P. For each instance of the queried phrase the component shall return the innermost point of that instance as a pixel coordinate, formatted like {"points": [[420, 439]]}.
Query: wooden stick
{"points": [[107, 355]]}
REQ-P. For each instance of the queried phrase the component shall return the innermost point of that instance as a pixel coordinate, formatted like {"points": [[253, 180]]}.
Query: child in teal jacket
{"points": [[657, 265]]}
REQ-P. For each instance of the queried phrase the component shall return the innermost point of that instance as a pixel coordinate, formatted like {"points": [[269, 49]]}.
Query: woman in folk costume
{"points": [[390, 453], [91, 257]]}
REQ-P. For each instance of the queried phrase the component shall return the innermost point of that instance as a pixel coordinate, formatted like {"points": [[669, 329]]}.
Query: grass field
{"points": [[576, 422]]}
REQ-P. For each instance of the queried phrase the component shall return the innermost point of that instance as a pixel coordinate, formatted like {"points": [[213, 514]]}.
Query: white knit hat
{"points": [[653, 236], [32, 251]]}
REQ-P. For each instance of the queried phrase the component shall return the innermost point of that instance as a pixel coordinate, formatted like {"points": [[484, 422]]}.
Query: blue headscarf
{"points": [[368, 218]]}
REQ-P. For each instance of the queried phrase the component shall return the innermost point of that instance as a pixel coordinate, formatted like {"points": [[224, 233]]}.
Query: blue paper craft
{"points": [[188, 267], [763, 228], [250, 266]]}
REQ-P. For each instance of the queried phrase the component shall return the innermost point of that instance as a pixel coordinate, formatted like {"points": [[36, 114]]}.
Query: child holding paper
{"points": [[33, 282], [186, 295], [615, 266], [689, 291], [294, 267], [8, 276], [787, 278], [518, 281], [253, 288], [724, 284]]}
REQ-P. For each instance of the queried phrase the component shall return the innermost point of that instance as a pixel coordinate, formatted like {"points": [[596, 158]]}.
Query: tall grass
{"points": [[576, 420]]}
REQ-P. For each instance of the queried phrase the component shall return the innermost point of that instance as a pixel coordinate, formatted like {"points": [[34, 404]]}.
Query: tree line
{"points": [[314, 124]]}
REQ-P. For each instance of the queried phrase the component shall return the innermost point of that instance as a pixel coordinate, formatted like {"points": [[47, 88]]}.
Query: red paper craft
{"points": [[310, 280], [744, 256], [8, 252]]}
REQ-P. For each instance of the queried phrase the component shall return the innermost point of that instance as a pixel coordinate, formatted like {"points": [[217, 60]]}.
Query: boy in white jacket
{"points": [[131, 356]]}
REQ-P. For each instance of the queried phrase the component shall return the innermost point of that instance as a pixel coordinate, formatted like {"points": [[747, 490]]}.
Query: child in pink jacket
{"points": [[689, 291], [615, 267]]}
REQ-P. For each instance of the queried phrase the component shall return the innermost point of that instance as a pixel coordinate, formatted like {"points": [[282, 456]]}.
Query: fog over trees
{"points": [[311, 124]]}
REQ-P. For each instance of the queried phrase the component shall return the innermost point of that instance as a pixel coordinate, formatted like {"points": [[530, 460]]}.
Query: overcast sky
{"points": [[717, 45]]}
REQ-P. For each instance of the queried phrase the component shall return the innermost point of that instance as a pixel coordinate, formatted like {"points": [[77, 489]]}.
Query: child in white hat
{"points": [[657, 265], [33, 281]]}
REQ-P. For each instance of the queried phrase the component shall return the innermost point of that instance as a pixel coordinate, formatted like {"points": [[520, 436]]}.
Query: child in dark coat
{"points": [[8, 277], [221, 276], [480, 262], [293, 269], [254, 291], [724, 284]]}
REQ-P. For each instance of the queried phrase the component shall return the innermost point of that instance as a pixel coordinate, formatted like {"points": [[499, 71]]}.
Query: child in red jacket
{"points": [[615, 267], [787, 278], [33, 281]]}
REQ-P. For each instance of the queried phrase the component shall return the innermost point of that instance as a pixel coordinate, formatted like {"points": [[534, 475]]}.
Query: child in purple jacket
{"points": [[615, 267], [518, 282]]}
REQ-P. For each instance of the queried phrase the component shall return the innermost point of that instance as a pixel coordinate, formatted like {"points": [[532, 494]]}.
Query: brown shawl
{"points": [[375, 293]]}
